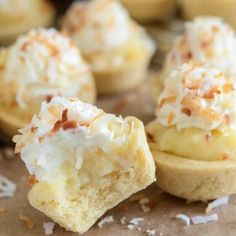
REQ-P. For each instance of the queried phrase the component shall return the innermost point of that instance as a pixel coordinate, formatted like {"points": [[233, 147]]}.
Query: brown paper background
{"points": [[161, 217]]}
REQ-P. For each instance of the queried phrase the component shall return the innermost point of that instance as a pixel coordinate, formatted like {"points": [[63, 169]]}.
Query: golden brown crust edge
{"points": [[194, 180]]}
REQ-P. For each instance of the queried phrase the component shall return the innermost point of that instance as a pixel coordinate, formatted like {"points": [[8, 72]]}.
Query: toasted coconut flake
{"points": [[151, 232], [204, 219], [32, 180], [7, 187], [184, 218], [216, 203], [28, 222], [107, 219], [48, 227]]}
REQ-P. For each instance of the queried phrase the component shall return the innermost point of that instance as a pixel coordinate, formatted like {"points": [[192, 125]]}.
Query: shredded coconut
{"points": [[218, 202], [122, 220], [107, 219], [151, 232], [7, 187], [204, 219], [48, 227], [136, 221], [194, 96], [184, 218], [28, 222]]}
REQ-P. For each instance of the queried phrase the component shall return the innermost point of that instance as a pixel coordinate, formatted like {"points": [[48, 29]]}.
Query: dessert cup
{"points": [[101, 160], [117, 49], [193, 137], [38, 66]]}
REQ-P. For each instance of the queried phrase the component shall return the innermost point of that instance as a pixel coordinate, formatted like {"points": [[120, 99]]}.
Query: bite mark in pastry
{"points": [[84, 161]]}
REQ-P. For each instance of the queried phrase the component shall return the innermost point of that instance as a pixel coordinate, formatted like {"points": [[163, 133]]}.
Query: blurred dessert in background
{"points": [[38, 66], [150, 10], [118, 50], [207, 40], [19, 16], [221, 8]]}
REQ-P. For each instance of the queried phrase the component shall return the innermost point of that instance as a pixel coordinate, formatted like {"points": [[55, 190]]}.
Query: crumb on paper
{"points": [[122, 220], [130, 227], [2, 210], [8, 152], [136, 221], [144, 200], [151, 232], [136, 197], [28, 222], [107, 219], [144, 204], [48, 227], [133, 222], [204, 219], [216, 203], [184, 218], [139, 229], [7, 187]]}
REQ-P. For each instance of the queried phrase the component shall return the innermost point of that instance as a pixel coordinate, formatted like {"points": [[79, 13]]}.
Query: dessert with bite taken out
{"points": [[83, 161]]}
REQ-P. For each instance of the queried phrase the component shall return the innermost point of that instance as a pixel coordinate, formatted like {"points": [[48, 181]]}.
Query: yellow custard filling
{"points": [[194, 143], [135, 49]]}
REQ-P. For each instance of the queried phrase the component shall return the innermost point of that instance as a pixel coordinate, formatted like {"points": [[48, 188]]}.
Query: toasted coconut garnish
{"points": [[28, 222]]}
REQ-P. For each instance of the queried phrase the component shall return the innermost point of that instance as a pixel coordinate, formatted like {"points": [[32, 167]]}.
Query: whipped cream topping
{"points": [[43, 63], [206, 40], [195, 96], [68, 128], [98, 25]]}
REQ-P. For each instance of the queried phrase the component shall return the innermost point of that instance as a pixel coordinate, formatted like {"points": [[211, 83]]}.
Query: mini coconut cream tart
{"points": [[193, 137], [19, 16], [38, 66], [207, 40], [117, 49], [83, 161]]}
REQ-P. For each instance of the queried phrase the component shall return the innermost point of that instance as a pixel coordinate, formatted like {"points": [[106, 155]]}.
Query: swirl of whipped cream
{"points": [[70, 125], [40, 64], [98, 25], [195, 96], [206, 40]]}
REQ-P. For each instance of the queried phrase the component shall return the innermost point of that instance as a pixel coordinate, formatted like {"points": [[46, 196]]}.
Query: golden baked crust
{"points": [[221, 8], [192, 179], [150, 10], [12, 25]]}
